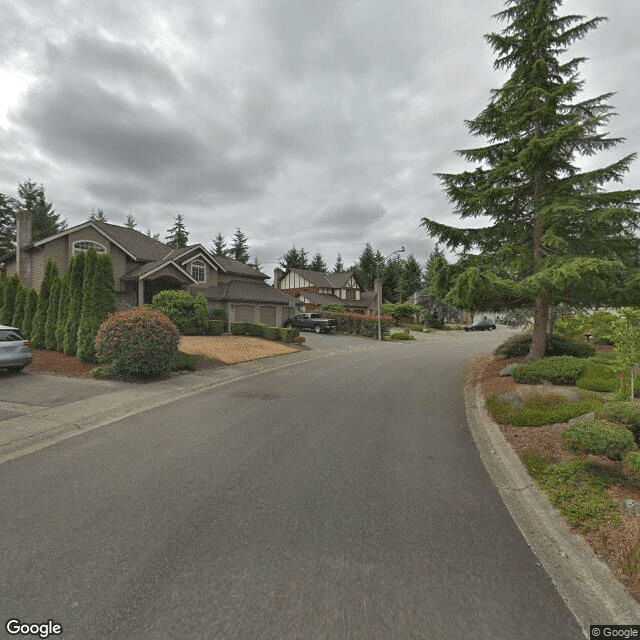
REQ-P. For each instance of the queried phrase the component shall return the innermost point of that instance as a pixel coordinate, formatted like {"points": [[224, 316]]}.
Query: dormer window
{"points": [[198, 272], [84, 245]]}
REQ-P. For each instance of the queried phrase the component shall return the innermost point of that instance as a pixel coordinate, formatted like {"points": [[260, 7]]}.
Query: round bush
{"points": [[631, 465], [137, 344], [557, 370], [598, 437], [189, 313], [624, 412], [556, 346]]}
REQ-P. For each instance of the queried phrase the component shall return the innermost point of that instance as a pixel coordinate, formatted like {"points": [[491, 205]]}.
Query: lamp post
{"points": [[379, 296]]}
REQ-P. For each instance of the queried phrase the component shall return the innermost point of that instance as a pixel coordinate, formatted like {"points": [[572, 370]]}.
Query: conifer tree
{"points": [[3, 284], [255, 263], [63, 307], [29, 313], [365, 269], [178, 236], [85, 350], [318, 264], [130, 222], [556, 234], [7, 224], [97, 215], [338, 267], [294, 259], [74, 304], [45, 221], [52, 315], [219, 246], [9, 301], [239, 249], [412, 274], [38, 331], [20, 304]]}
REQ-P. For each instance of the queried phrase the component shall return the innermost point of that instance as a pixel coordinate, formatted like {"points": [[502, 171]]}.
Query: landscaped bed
{"points": [[587, 488]]}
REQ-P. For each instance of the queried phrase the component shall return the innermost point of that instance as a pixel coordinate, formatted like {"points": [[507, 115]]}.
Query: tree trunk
{"points": [[540, 322]]}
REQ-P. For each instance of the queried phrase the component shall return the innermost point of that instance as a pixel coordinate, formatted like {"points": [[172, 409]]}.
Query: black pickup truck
{"points": [[311, 322]]}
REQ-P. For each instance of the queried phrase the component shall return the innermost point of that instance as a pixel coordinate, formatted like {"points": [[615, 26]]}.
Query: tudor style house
{"points": [[143, 266], [314, 289]]}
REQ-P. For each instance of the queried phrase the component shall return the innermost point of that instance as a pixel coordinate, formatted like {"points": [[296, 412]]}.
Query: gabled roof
{"points": [[243, 291], [235, 267], [148, 268], [138, 244], [326, 280]]}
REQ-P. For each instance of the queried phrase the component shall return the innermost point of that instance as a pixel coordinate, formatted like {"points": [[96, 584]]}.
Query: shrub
{"points": [[599, 437], [430, 320], [520, 344], [39, 327], [189, 313], [272, 333], [557, 370], [215, 327], [288, 334], [358, 324], [137, 344], [256, 329], [52, 315], [539, 410], [400, 310], [29, 313], [238, 328], [623, 412], [603, 357], [9, 304], [20, 305], [74, 303], [598, 377], [219, 314], [631, 465], [401, 336], [335, 308]]}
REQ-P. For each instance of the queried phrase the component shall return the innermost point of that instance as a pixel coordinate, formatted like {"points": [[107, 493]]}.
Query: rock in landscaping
{"points": [[587, 417], [631, 507], [519, 395], [507, 371]]}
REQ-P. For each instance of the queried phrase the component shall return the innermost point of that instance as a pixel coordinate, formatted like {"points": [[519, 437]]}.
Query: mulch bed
{"points": [[609, 544]]}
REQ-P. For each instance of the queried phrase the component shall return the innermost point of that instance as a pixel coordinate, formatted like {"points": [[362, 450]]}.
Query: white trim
{"points": [[166, 264], [195, 257], [75, 250]]}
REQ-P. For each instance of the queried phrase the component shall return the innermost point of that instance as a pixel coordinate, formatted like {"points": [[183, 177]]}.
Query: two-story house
{"points": [[314, 289], [143, 266]]}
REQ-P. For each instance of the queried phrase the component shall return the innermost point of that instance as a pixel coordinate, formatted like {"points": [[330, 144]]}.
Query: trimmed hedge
{"points": [[358, 324], [557, 370], [219, 314], [287, 334], [272, 333], [52, 315], [598, 437], [19, 309], [29, 313], [238, 328], [215, 327], [137, 344], [9, 301], [256, 329], [556, 346], [189, 313]]}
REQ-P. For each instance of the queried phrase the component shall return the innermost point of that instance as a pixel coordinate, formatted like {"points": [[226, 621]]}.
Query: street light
{"points": [[379, 296]]}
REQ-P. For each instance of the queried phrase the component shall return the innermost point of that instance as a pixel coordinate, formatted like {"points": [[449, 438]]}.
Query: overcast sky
{"points": [[318, 123]]}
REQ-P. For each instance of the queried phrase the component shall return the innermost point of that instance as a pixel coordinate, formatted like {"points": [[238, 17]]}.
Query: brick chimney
{"points": [[23, 238], [277, 274]]}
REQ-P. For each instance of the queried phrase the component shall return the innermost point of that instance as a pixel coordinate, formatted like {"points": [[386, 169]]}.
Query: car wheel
{"points": [[317, 328]]}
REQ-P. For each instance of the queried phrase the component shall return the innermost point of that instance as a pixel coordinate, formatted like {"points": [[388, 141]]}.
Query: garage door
{"points": [[244, 313], [268, 316]]}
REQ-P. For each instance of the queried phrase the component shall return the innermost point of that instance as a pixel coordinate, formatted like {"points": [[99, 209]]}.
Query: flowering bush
{"points": [[137, 344]]}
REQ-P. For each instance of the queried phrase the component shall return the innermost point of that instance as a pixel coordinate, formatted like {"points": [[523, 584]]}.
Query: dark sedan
{"points": [[481, 325]]}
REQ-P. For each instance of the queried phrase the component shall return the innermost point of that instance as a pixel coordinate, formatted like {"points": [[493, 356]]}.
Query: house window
{"points": [[198, 271], [351, 294], [84, 245]]}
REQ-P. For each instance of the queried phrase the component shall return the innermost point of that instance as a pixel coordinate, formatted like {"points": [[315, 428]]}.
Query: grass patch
{"points": [[401, 336], [540, 410], [416, 327], [578, 489], [186, 362], [598, 377]]}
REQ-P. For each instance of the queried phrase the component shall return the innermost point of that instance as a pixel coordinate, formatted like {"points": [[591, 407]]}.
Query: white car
{"points": [[15, 351]]}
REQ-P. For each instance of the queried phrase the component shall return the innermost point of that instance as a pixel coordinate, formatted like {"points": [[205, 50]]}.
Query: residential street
{"points": [[341, 497]]}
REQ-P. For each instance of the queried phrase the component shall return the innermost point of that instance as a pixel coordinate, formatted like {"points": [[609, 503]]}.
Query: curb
{"points": [[586, 584]]}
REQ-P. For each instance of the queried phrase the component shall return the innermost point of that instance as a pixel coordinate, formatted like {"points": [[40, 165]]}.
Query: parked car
{"points": [[15, 351], [311, 322], [481, 325]]}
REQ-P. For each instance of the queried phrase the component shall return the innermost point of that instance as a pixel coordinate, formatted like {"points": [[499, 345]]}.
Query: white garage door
{"points": [[268, 316], [244, 313]]}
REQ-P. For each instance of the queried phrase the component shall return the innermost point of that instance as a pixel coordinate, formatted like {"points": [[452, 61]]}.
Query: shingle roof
{"points": [[243, 291], [321, 298], [142, 246], [328, 280], [239, 268]]}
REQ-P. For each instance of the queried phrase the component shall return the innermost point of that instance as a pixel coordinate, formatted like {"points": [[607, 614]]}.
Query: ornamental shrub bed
{"points": [[623, 412], [238, 328], [215, 327], [272, 333], [598, 437], [256, 329], [137, 344], [189, 313], [556, 346], [287, 334], [598, 377], [557, 370], [631, 465]]}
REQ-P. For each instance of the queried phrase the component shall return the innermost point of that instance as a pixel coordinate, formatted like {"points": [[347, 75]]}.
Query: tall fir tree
{"points": [[255, 263], [38, 331], [556, 234], [63, 307], [74, 308], [239, 249], [412, 275], [9, 300], [294, 259], [45, 221], [365, 268], [85, 350], [8, 207], [19, 309], [97, 215], [130, 222], [219, 246], [318, 264], [178, 236], [338, 267], [29, 313], [52, 315]]}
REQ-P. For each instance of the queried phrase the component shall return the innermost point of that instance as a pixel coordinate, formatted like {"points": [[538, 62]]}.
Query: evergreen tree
{"points": [[255, 263], [338, 267], [9, 303], [239, 247], [19, 309], [74, 304], [45, 221], [97, 215], [318, 264], [63, 307], [85, 349], [556, 234], [3, 284], [29, 313], [219, 246], [412, 275], [178, 235], [130, 222], [155, 236], [7, 224], [52, 315], [38, 331], [365, 268], [393, 288], [294, 259]]}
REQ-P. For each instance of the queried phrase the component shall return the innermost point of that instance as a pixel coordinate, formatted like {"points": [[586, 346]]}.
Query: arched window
{"points": [[84, 245], [198, 271]]}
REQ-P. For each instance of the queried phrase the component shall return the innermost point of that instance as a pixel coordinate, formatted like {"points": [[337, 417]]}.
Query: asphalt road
{"points": [[341, 498]]}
